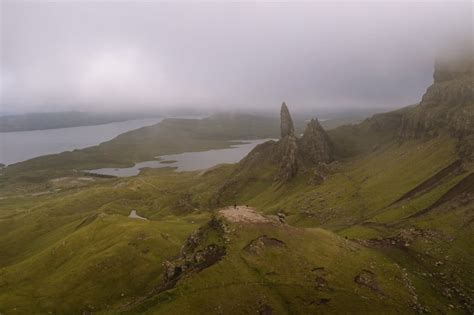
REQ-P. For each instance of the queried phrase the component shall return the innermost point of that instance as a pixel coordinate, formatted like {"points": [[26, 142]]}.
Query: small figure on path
{"points": [[235, 206]]}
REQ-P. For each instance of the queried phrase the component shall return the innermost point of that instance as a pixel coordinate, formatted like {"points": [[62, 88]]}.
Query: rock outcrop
{"points": [[261, 243], [290, 153], [202, 249], [447, 107], [281, 160], [286, 123], [198, 252], [311, 151], [287, 146], [315, 145]]}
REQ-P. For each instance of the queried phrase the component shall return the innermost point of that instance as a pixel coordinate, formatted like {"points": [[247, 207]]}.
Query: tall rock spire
{"points": [[289, 158], [286, 123], [288, 147]]}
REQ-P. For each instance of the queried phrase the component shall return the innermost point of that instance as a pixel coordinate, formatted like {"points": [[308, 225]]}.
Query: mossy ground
{"points": [[76, 249], [286, 278]]}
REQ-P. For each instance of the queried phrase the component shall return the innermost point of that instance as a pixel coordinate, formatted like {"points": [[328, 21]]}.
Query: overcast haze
{"points": [[127, 55]]}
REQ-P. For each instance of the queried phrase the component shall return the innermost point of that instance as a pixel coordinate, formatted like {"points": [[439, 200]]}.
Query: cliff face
{"points": [[446, 109], [448, 104]]}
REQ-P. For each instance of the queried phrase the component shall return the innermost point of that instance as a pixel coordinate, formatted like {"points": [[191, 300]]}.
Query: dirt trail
{"points": [[243, 214]]}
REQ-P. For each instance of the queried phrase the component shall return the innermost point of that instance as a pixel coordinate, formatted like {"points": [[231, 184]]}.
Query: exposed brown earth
{"points": [[243, 214]]}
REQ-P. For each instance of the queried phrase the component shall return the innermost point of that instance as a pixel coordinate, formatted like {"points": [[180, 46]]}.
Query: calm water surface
{"points": [[23, 145], [189, 161]]}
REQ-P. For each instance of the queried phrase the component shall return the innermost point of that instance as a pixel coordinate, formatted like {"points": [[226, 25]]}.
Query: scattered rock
{"points": [[368, 279], [320, 279], [321, 283], [258, 245]]}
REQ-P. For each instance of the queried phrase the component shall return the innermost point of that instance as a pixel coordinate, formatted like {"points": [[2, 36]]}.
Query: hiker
{"points": [[235, 206]]}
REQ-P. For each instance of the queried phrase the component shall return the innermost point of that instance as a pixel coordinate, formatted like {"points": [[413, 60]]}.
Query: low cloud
{"points": [[157, 55]]}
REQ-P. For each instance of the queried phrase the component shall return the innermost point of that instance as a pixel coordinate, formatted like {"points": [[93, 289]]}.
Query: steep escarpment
{"points": [[448, 104], [446, 109]]}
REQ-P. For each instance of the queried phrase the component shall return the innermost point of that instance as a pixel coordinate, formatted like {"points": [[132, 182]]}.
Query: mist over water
{"points": [[20, 146]]}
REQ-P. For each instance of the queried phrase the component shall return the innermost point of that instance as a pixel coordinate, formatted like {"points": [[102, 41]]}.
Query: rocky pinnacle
{"points": [[315, 145], [286, 124], [288, 147]]}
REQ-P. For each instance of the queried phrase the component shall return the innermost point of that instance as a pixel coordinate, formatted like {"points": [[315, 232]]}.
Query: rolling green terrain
{"points": [[379, 220]]}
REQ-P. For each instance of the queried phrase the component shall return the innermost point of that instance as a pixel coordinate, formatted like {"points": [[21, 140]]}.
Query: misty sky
{"points": [[86, 55]]}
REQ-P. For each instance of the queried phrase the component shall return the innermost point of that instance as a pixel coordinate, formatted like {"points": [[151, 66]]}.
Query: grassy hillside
{"points": [[254, 279], [80, 239]]}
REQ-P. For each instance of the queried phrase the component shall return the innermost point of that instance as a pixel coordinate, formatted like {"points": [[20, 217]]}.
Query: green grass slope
{"points": [[296, 271], [96, 266], [76, 250]]}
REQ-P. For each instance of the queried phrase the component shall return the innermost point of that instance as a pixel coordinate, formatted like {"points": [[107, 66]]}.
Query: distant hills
{"points": [[40, 121], [66, 119]]}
